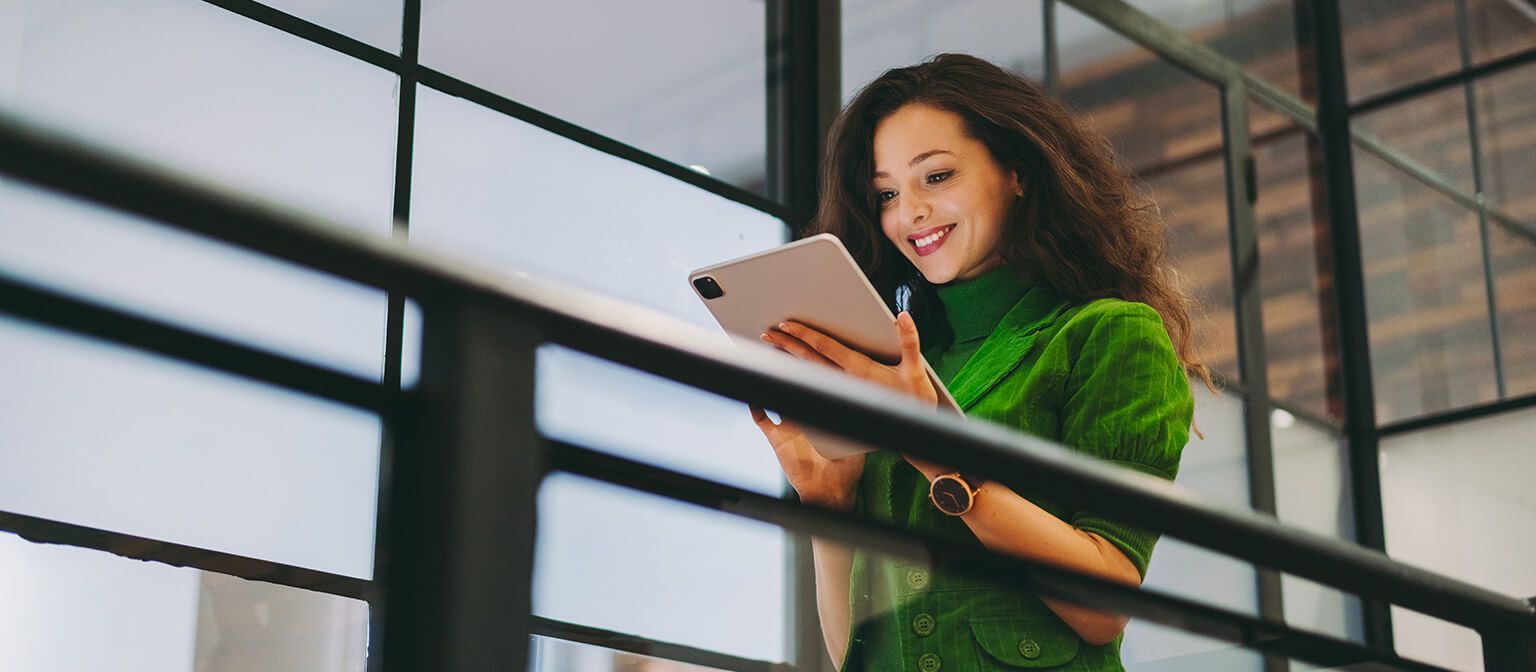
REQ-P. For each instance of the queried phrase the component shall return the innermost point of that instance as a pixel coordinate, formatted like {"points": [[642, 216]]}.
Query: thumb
{"points": [[911, 347]]}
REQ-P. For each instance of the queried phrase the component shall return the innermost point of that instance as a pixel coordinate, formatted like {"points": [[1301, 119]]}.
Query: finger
{"points": [[839, 354], [798, 348], [759, 416], [911, 346]]}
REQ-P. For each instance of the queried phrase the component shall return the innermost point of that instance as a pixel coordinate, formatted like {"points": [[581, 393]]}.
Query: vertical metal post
{"points": [[405, 140], [394, 316], [1252, 357], [804, 96], [1512, 648], [1349, 292], [457, 581]]}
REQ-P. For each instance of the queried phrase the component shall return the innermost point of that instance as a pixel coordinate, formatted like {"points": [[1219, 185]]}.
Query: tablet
{"points": [[816, 282]]}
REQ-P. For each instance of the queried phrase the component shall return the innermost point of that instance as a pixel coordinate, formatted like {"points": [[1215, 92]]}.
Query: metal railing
{"points": [[465, 459]]}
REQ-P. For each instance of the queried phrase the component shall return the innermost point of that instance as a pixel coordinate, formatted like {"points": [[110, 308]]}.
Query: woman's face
{"points": [[943, 198]]}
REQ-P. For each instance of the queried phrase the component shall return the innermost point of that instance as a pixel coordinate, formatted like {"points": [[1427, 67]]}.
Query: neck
{"points": [[975, 306]]}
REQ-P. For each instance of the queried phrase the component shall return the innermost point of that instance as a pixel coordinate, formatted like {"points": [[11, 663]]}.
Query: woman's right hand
{"points": [[819, 480]]}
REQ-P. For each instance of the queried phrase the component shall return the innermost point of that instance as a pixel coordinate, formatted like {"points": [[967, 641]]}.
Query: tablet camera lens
{"points": [[708, 288]]}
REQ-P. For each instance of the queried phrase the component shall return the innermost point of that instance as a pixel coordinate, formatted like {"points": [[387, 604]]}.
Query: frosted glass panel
{"points": [[376, 22], [682, 79], [1199, 653], [1216, 467], [178, 277], [879, 35], [529, 203], [69, 608], [1457, 500], [209, 92], [557, 655], [109, 438], [1312, 492], [634, 563], [508, 196]]}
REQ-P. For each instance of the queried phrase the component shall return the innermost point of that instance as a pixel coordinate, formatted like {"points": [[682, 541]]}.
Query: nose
{"points": [[914, 209]]}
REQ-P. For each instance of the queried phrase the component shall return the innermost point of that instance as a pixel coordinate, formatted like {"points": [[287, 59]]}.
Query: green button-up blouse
{"points": [[1099, 377]]}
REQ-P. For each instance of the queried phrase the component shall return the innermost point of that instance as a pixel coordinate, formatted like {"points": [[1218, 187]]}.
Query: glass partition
{"points": [[197, 88], [879, 35], [69, 608], [690, 87], [106, 437], [1457, 500]]}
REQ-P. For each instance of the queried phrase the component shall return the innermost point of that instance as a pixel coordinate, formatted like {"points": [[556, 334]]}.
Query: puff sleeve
{"points": [[1128, 401]]}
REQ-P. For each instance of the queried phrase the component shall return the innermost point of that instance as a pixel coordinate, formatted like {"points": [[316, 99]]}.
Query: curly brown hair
{"points": [[1081, 226]]}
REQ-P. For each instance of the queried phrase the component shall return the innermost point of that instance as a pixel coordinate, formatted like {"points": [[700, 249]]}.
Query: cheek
{"points": [[888, 228]]}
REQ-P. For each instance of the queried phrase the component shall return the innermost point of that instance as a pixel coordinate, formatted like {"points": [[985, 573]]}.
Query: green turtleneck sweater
{"points": [[974, 308]]}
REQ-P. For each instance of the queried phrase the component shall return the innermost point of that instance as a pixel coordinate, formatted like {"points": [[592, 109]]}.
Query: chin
{"points": [[938, 276]]}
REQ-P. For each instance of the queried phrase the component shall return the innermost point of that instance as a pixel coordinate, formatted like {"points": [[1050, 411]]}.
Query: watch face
{"points": [[950, 495]]}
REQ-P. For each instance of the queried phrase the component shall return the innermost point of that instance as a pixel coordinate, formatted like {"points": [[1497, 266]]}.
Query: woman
{"points": [[1036, 284]]}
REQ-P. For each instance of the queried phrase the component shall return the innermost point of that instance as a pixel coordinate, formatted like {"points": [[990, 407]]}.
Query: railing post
{"points": [[461, 491], [1511, 648]]}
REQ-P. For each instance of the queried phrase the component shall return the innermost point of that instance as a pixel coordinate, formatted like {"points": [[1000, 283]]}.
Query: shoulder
{"points": [[1113, 322]]}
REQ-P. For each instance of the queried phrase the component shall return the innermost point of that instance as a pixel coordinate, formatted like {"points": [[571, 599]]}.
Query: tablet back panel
{"points": [[816, 282], [813, 281]]}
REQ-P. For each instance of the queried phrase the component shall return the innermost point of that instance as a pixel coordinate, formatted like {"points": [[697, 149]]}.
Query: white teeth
{"points": [[930, 238]]}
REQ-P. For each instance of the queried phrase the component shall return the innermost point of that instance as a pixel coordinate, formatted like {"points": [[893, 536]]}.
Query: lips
{"points": [[928, 241]]}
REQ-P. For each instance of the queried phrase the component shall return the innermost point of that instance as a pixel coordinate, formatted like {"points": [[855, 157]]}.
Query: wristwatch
{"points": [[955, 493]]}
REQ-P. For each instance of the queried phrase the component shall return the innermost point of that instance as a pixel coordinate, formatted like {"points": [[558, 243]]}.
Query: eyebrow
{"points": [[917, 159]]}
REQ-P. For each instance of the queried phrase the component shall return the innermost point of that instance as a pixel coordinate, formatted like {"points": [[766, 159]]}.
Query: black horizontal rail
{"points": [[46, 531], [1414, 90], [1008, 571], [113, 325], [662, 345], [1459, 415]]}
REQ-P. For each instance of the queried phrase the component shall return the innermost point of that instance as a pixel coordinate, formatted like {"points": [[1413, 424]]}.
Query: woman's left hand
{"points": [[908, 376]]}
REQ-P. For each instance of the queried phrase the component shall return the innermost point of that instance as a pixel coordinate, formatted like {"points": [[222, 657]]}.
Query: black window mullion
{"points": [[1328, 69]]}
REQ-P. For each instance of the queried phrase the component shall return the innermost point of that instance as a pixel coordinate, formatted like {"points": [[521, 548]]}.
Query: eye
{"points": [[884, 195], [935, 178]]}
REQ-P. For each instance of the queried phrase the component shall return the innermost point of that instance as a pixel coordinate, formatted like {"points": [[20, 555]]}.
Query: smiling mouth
{"points": [[928, 242]]}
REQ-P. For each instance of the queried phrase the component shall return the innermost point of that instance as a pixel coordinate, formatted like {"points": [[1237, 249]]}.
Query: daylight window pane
{"points": [[376, 22], [525, 202], [106, 437], [1389, 44], [1506, 113], [158, 271], [1454, 498], [879, 35], [635, 563], [69, 608], [518, 200], [211, 93], [1216, 468], [1313, 492], [1426, 295], [1296, 274], [689, 87]]}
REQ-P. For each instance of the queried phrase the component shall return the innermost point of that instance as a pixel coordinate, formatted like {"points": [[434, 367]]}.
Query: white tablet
{"points": [[816, 282]]}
